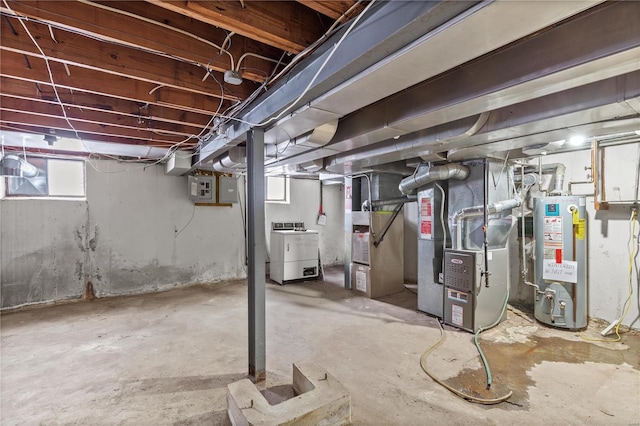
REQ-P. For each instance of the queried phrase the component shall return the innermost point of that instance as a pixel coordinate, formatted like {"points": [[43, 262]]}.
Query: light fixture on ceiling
{"points": [[576, 140], [51, 139], [233, 77]]}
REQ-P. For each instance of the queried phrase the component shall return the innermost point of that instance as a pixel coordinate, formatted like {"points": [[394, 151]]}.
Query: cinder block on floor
{"points": [[320, 400]]}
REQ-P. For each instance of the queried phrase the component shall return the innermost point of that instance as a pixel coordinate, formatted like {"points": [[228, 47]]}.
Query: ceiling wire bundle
{"points": [[169, 151], [298, 57], [66, 117]]}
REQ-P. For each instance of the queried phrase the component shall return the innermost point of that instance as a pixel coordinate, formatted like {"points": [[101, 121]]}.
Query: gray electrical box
{"points": [[202, 189], [228, 187]]}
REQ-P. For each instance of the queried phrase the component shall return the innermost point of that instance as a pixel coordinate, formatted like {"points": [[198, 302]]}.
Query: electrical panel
{"points": [[202, 189], [228, 189]]}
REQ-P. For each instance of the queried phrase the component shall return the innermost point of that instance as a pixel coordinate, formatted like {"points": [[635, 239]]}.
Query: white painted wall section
{"points": [[136, 231]]}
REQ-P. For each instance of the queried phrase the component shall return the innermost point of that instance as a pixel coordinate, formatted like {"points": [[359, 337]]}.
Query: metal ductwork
{"points": [[456, 219], [498, 81], [313, 166], [559, 170], [382, 56], [559, 178], [425, 175], [233, 161], [320, 136]]}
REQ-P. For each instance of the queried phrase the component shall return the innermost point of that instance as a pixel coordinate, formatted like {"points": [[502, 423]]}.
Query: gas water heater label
{"points": [[566, 271], [552, 231]]}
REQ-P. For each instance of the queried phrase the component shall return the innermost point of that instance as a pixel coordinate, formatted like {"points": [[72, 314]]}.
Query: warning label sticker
{"points": [[361, 281], [426, 214], [552, 235], [457, 315]]}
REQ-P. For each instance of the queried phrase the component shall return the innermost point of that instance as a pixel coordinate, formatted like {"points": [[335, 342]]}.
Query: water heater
{"points": [[561, 261]]}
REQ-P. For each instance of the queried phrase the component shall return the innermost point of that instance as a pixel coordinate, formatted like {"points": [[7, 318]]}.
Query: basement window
{"points": [[277, 189], [55, 178]]}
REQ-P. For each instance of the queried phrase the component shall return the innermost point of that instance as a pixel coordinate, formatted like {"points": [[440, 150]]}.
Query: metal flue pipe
{"points": [[460, 215]]}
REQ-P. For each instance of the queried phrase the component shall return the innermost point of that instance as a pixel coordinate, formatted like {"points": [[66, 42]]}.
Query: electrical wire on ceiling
{"points": [[163, 25], [228, 114], [295, 60], [169, 151]]}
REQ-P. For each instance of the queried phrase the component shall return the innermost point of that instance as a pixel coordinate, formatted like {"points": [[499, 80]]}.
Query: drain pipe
{"points": [[424, 176]]}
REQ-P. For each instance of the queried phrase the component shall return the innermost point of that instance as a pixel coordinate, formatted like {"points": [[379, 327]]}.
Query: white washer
{"points": [[294, 255]]}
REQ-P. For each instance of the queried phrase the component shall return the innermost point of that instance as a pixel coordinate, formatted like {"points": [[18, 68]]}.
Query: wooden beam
{"points": [[89, 53], [282, 24], [65, 133], [106, 25], [86, 128], [40, 93], [89, 81], [333, 9], [237, 45], [78, 115]]}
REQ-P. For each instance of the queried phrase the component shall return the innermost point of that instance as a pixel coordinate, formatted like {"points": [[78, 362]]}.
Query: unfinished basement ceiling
{"points": [[400, 81], [146, 73]]}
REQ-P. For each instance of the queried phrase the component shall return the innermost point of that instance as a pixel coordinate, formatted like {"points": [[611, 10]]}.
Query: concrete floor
{"points": [[166, 358]]}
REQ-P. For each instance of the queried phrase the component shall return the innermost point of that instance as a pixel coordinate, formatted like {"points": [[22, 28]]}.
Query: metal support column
{"points": [[348, 229], [256, 243]]}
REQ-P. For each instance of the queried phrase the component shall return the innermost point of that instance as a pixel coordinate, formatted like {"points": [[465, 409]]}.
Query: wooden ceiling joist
{"points": [[289, 26], [85, 52], [75, 115], [334, 9], [104, 104], [84, 80], [65, 133], [97, 130], [90, 20], [132, 71]]}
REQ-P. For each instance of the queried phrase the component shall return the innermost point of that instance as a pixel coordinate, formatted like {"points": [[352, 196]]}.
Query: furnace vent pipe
{"points": [[423, 177], [559, 178], [560, 170], [389, 202], [455, 221]]}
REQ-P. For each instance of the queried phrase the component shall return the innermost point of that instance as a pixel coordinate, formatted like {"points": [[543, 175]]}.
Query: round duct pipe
{"points": [[424, 176]]}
